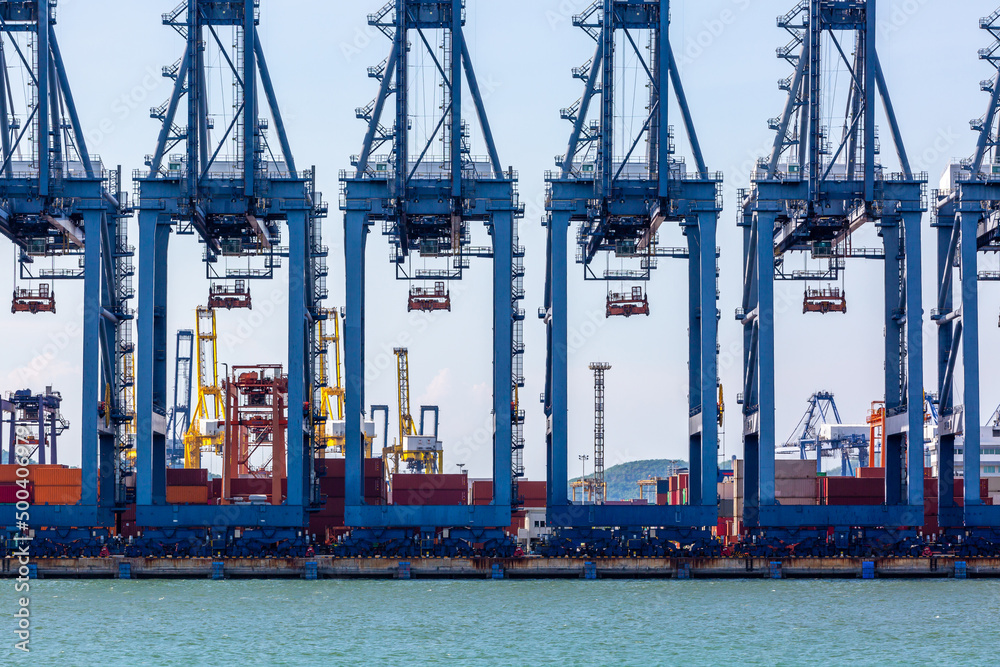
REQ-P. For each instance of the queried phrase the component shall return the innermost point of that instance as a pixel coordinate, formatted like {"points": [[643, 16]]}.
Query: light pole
{"points": [[461, 468]]}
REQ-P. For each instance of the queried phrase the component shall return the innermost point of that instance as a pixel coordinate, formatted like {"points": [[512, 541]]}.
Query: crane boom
{"points": [[209, 409]]}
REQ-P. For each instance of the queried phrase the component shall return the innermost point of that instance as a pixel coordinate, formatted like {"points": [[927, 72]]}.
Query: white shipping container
{"points": [[839, 431], [338, 428]]}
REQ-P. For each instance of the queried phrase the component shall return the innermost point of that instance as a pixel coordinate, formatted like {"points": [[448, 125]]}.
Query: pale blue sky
{"points": [[318, 52]]}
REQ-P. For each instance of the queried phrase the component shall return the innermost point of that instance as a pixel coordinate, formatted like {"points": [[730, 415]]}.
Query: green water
{"points": [[509, 622]]}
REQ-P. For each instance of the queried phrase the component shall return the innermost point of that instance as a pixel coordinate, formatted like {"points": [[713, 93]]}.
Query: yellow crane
{"points": [[332, 393], [206, 432], [128, 359], [326, 340], [418, 453]]}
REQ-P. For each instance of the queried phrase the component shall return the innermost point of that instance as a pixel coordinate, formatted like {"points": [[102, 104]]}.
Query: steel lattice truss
{"points": [[62, 208], [810, 197], [426, 188], [216, 173], [621, 197], [967, 223]]}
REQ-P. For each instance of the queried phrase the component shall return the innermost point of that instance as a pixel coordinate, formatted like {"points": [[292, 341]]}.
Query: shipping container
{"points": [[482, 492], [56, 476], [9, 493], [797, 501], [187, 477], [335, 487], [430, 496], [57, 495], [787, 487], [532, 492], [407, 482], [853, 500], [188, 495], [338, 467], [8, 472], [794, 469], [847, 487]]}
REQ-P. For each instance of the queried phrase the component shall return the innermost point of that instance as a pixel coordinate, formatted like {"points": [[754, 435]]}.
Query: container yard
{"points": [[190, 462]]}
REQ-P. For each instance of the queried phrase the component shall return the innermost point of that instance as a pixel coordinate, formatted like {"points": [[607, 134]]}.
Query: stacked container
{"points": [[187, 486], [329, 521], [420, 489], [795, 482], [56, 485], [663, 491], [533, 493]]}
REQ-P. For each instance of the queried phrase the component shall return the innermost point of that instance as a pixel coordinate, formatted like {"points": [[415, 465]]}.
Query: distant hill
{"points": [[622, 479]]}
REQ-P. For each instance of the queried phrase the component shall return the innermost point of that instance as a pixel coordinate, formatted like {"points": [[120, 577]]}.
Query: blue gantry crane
{"points": [[66, 214], [427, 189], [179, 416], [811, 196], [621, 195], [808, 435], [234, 187], [968, 226]]}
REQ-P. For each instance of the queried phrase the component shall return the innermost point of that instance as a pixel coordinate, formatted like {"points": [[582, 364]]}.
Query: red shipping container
{"points": [[246, 486], [851, 491], [187, 477], [683, 479], [430, 496], [853, 500], [870, 473], [482, 492], [336, 487], [338, 467], [532, 492], [403, 482], [662, 498], [9, 493]]}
